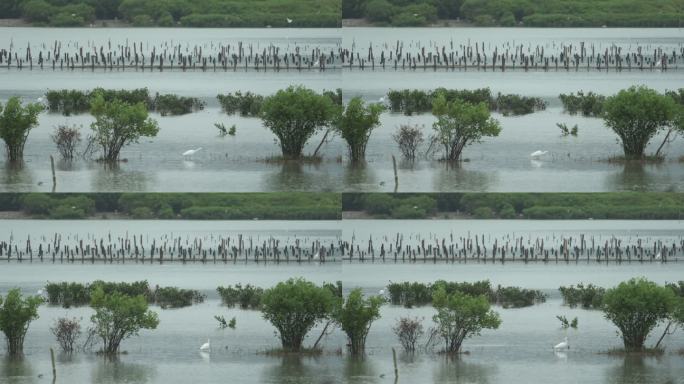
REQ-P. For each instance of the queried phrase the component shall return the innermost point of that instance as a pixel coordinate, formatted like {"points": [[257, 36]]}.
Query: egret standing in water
{"points": [[206, 346], [563, 344], [191, 152], [538, 154]]}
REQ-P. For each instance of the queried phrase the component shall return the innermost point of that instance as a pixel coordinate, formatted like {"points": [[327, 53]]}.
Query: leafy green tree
{"points": [[37, 11], [118, 124], [378, 10], [294, 115], [636, 115], [355, 316], [636, 307], [118, 317], [16, 313], [460, 316], [356, 124], [294, 307], [16, 121], [460, 124]]}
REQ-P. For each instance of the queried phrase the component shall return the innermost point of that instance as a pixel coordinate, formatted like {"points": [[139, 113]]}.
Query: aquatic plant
{"points": [[408, 138], [66, 331], [170, 104], [589, 104], [173, 297], [118, 124], [636, 115], [565, 323], [294, 307], [67, 139], [409, 331], [516, 297], [16, 314], [247, 104], [460, 124], [118, 317], [460, 316], [223, 323], [355, 125], [294, 115], [588, 297], [636, 307], [247, 297], [355, 314], [16, 122], [515, 105], [565, 131]]}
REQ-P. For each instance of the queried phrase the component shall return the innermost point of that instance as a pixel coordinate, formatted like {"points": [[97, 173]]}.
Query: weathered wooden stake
{"points": [[54, 178], [396, 177], [394, 358], [52, 358]]}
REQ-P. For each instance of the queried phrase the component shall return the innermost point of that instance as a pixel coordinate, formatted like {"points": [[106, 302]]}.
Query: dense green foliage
{"points": [[548, 13], [73, 101], [460, 124], [187, 206], [16, 121], [612, 205], [294, 307], [16, 314], [118, 124], [176, 13], [118, 317], [355, 125], [247, 297], [587, 296], [409, 294], [589, 104], [636, 307], [355, 315], [637, 114], [460, 316], [411, 101], [247, 104], [295, 114], [68, 294]]}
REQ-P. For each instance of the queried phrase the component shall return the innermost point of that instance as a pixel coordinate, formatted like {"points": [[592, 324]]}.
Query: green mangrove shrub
{"points": [[587, 296], [355, 125], [589, 104], [247, 104], [355, 315], [16, 122], [16, 314], [247, 297]]}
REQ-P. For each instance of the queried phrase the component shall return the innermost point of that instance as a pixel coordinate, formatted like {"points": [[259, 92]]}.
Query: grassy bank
{"points": [[549, 13], [185, 206], [176, 13], [617, 205]]}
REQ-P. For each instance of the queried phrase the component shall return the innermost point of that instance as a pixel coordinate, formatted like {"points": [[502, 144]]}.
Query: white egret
{"points": [[316, 256], [289, 21], [538, 154], [565, 344], [206, 346], [191, 152], [382, 99]]}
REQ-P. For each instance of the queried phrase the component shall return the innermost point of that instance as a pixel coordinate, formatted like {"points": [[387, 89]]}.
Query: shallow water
{"points": [[235, 163], [512, 353]]}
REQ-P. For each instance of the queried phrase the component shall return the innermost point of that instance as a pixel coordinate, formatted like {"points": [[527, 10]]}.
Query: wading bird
{"points": [[191, 152], [563, 344], [538, 154], [206, 346], [289, 21]]}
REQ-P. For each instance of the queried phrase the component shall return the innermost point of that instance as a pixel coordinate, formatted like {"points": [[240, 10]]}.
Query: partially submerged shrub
{"points": [[588, 297], [67, 139], [409, 331], [589, 104], [247, 297], [247, 104], [67, 331], [409, 138]]}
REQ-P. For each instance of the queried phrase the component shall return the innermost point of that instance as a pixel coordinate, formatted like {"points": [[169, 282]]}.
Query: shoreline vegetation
{"points": [[171, 206], [512, 13], [527, 206], [177, 13]]}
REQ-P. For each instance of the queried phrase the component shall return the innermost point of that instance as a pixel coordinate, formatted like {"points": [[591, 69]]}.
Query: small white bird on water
{"points": [[538, 154], [191, 152], [382, 99], [565, 344], [206, 346], [289, 21]]}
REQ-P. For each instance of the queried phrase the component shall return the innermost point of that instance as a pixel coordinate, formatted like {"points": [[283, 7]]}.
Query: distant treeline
{"points": [[533, 13], [616, 205], [187, 206], [176, 13]]}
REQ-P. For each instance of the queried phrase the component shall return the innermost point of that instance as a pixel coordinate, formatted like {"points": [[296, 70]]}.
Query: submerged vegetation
{"points": [[177, 13], [414, 101], [16, 122], [556, 206], [509, 13], [196, 206], [412, 294], [588, 297], [589, 104], [247, 297], [71, 294]]}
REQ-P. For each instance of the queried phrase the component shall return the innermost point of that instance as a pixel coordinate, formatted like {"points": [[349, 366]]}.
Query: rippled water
{"points": [[234, 163], [518, 352]]}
